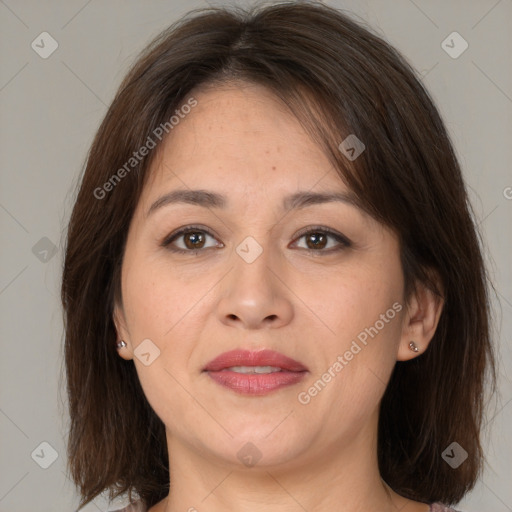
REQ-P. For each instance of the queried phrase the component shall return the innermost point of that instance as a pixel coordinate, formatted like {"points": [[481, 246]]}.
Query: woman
{"points": [[273, 285]]}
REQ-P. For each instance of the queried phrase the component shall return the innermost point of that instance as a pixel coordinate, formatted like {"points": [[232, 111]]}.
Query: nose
{"points": [[255, 295]]}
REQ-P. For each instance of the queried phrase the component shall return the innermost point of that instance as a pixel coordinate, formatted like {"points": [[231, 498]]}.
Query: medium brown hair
{"points": [[338, 78]]}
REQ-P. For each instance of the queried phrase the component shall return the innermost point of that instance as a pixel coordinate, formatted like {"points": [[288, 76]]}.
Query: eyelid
{"points": [[341, 239], [166, 242]]}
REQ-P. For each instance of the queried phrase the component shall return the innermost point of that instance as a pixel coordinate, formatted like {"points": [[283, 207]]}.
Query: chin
{"points": [[254, 446]]}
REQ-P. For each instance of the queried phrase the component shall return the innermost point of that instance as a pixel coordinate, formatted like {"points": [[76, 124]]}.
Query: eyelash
{"points": [[342, 240]]}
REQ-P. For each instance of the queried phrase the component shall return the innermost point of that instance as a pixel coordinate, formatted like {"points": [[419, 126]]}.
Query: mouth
{"points": [[255, 372]]}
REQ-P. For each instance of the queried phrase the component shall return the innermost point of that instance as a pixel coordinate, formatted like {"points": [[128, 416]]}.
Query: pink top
{"points": [[139, 507], [439, 507]]}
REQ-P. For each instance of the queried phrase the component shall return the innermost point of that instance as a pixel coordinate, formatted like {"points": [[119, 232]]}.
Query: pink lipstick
{"points": [[255, 373]]}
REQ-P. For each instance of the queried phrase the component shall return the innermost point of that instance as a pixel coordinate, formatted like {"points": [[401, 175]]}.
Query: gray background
{"points": [[50, 109]]}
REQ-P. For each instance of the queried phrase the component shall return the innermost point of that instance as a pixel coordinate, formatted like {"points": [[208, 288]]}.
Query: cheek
{"points": [[166, 392], [360, 360], [356, 300], [362, 309], [170, 309], [158, 299]]}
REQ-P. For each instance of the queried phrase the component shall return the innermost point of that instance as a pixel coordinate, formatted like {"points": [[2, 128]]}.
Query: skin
{"points": [[240, 141]]}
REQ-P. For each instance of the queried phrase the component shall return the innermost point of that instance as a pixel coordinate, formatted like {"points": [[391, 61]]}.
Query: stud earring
{"points": [[121, 344], [413, 346]]}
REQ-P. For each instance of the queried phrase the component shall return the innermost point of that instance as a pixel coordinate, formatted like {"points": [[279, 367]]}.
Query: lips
{"points": [[251, 358], [230, 371]]}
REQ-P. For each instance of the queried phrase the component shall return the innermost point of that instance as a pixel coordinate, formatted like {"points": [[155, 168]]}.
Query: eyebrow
{"points": [[208, 199]]}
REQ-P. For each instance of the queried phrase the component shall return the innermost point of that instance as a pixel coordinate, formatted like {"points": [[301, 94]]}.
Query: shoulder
{"points": [[138, 506], [439, 507]]}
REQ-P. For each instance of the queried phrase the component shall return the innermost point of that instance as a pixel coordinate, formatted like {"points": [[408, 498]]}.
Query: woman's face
{"points": [[258, 270]]}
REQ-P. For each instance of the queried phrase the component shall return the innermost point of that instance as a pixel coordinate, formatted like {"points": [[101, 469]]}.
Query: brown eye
{"points": [[189, 240], [316, 240], [194, 240], [322, 240]]}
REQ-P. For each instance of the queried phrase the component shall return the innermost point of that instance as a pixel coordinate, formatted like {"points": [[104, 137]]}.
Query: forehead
{"points": [[240, 134]]}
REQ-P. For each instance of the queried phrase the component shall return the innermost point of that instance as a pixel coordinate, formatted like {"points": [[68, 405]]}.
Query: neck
{"points": [[343, 476]]}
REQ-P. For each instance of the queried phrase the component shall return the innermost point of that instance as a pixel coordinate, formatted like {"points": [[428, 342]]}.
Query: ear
{"points": [[420, 321], [119, 319]]}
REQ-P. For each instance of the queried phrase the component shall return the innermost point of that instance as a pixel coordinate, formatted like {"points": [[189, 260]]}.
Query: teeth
{"points": [[254, 369]]}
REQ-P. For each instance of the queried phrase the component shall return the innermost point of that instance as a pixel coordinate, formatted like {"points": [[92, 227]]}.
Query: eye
{"points": [[321, 239], [193, 239]]}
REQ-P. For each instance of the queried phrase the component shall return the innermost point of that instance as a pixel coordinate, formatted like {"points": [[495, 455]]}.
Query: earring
{"points": [[413, 346], [121, 344]]}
